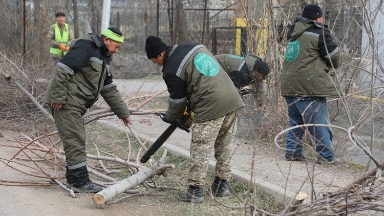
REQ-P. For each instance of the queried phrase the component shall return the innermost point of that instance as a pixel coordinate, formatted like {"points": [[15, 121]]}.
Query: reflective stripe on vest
{"points": [[60, 38]]}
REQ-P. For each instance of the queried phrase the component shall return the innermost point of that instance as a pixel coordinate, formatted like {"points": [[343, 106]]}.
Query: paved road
{"points": [[143, 87]]}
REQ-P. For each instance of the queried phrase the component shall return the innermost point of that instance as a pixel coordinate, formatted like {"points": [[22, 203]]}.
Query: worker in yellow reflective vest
{"points": [[59, 35]]}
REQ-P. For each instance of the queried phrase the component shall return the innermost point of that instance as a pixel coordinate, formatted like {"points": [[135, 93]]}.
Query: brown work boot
{"points": [[193, 195]]}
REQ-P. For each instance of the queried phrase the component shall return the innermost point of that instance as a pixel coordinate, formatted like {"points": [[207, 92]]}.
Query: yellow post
{"points": [[240, 22], [261, 38]]}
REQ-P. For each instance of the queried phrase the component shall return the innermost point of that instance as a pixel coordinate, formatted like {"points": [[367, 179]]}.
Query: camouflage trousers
{"points": [[217, 135]]}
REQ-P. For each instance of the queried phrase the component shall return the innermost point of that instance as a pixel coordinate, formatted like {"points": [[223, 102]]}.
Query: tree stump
{"points": [[299, 198]]}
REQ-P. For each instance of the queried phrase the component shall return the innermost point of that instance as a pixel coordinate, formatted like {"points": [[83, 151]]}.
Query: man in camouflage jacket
{"points": [[195, 79]]}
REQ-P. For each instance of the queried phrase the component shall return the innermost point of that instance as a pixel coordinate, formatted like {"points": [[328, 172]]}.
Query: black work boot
{"points": [[193, 195], [79, 181], [219, 187], [89, 187]]}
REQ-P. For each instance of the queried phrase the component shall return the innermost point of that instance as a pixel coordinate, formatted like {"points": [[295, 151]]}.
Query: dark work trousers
{"points": [[70, 125]]}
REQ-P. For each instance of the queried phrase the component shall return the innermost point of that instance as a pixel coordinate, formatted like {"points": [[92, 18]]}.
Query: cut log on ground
{"points": [[114, 190]]}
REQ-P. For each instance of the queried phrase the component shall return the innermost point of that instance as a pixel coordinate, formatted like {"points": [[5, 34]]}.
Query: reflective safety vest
{"points": [[61, 39]]}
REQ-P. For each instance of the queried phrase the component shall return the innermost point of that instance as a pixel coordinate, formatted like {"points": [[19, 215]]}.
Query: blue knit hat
{"points": [[312, 12]]}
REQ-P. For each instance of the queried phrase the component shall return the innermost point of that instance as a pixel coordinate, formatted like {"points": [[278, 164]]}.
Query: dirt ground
{"points": [[257, 156], [51, 200]]}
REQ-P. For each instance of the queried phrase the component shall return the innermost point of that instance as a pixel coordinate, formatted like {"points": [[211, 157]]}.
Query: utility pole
{"points": [[106, 15], [204, 20]]}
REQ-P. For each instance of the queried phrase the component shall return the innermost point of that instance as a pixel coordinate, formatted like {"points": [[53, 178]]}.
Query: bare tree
{"points": [[12, 24], [180, 31], [75, 18]]}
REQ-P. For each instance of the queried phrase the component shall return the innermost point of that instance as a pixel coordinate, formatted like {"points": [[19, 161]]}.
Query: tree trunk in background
{"points": [[45, 24], [62, 5], [75, 19], [93, 17], [183, 30], [180, 31], [176, 21], [170, 17], [12, 24], [38, 29], [37, 24]]}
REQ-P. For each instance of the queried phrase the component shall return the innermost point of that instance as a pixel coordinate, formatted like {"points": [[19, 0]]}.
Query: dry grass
{"points": [[115, 142]]}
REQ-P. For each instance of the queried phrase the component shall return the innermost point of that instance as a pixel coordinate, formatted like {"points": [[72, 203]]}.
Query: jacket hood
{"points": [[99, 43], [300, 25], [250, 61]]}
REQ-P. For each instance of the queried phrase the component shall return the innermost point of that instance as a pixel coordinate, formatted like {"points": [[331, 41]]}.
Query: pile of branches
{"points": [[16, 78], [365, 193], [42, 154]]}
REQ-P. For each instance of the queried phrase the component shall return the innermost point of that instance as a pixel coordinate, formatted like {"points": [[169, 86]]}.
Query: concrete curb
{"points": [[279, 193]]}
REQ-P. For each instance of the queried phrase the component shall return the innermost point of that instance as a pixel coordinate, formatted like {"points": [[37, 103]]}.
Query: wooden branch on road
{"points": [[33, 99], [114, 190]]}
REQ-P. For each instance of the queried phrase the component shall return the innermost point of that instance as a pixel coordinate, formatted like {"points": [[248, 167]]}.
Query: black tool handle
{"points": [[158, 143], [183, 127]]}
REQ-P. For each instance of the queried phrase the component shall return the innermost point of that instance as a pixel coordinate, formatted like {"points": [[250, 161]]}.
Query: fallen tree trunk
{"points": [[33, 99], [144, 174]]}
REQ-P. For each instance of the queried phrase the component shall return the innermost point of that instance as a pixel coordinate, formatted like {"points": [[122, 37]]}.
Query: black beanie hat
{"points": [[261, 66], [256, 63], [154, 46], [312, 12]]}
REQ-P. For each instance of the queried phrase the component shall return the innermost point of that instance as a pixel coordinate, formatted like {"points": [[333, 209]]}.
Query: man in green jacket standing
{"points": [[307, 78], [195, 79], [245, 71], [80, 77], [59, 36]]}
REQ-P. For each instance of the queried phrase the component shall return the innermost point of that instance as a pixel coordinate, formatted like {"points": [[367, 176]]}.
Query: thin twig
{"points": [[137, 138], [117, 160], [149, 99], [102, 164], [71, 192]]}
